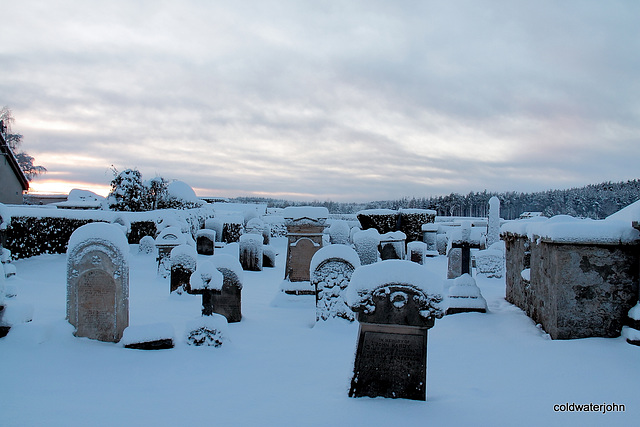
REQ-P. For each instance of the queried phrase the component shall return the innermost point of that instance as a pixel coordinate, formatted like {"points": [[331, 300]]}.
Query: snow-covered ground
{"points": [[495, 369]]}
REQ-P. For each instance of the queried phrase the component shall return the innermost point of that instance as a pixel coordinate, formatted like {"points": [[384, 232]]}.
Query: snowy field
{"points": [[495, 369]]}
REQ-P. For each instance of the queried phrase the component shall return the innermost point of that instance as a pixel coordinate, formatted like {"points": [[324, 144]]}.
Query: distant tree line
{"points": [[595, 201]]}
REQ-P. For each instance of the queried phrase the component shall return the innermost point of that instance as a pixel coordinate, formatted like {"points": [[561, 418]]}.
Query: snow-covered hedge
{"points": [[31, 231]]}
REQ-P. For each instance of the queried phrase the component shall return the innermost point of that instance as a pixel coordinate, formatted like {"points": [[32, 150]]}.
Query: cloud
{"points": [[340, 100]]}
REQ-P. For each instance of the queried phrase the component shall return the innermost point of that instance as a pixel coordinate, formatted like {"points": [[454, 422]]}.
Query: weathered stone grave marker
{"points": [[205, 241], [98, 282], [392, 245], [251, 252], [183, 264], [331, 269], [397, 303], [430, 238], [221, 293], [305, 226], [417, 251], [366, 244], [168, 239]]}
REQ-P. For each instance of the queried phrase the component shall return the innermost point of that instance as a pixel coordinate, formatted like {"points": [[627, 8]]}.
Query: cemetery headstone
{"points": [[205, 241], [392, 245], [366, 244], [98, 282], [183, 264], [305, 226], [225, 297], [631, 331], [490, 262], [158, 336], [169, 238], [147, 245], [331, 269], [464, 296], [206, 280], [339, 233], [417, 251], [397, 302], [251, 252], [430, 238], [268, 256], [216, 225]]}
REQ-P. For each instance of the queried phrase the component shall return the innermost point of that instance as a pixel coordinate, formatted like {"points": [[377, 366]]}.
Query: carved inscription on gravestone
{"points": [[391, 362], [96, 305]]}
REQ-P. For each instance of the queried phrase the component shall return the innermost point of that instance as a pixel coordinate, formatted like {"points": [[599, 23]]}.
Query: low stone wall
{"points": [[572, 290]]}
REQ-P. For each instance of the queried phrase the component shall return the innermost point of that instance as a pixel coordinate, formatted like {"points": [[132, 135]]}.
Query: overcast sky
{"points": [[326, 100]]}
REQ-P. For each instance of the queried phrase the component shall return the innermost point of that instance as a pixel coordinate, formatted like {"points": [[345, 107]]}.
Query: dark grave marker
{"points": [[394, 316]]}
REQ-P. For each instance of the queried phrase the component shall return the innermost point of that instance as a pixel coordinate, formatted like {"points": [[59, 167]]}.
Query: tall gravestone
{"points": [[98, 282], [331, 269], [366, 244], [169, 238], [251, 251], [397, 303], [305, 227], [184, 260], [393, 245], [493, 225]]}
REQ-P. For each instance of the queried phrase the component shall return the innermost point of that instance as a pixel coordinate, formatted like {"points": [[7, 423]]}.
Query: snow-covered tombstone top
{"points": [[168, 239], [183, 263], [331, 269], [205, 241], [98, 282], [396, 292], [366, 243], [206, 277], [339, 233], [305, 215], [147, 245], [392, 245]]}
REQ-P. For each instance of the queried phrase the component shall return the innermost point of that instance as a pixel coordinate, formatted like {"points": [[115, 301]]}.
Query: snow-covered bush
{"points": [[207, 331], [128, 193]]}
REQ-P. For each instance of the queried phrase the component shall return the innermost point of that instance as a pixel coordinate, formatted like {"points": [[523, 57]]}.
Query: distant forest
{"points": [[595, 201]]}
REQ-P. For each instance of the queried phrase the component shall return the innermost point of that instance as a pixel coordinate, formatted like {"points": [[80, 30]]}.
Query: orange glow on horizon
{"points": [[53, 186]]}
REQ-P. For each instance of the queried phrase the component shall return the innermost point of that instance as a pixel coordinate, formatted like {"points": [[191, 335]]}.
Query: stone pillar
{"points": [[251, 252], [430, 237], [493, 226]]}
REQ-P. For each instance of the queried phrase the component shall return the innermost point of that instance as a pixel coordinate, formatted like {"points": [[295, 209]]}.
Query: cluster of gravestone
{"points": [[392, 295], [394, 318]]}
